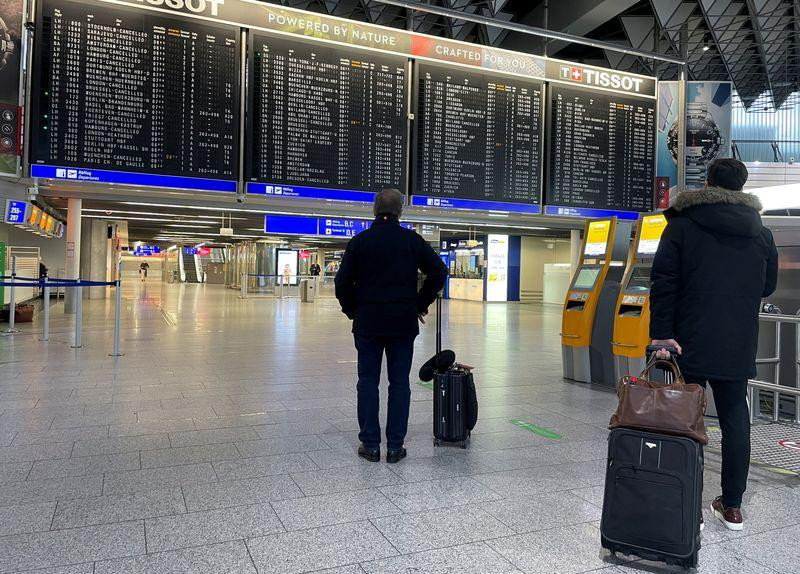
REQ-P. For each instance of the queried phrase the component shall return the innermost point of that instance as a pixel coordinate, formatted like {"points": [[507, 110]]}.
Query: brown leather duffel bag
{"points": [[675, 409]]}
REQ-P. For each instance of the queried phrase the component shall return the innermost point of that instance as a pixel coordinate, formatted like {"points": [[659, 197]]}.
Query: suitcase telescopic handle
{"points": [[438, 323]]}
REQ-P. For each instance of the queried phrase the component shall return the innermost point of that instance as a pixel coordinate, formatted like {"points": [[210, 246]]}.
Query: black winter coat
{"points": [[376, 284], [715, 263]]}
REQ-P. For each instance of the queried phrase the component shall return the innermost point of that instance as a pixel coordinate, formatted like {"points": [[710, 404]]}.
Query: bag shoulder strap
{"points": [[671, 366], [438, 324]]}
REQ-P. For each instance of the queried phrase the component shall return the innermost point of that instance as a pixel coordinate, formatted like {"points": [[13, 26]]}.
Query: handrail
{"points": [[776, 388]]}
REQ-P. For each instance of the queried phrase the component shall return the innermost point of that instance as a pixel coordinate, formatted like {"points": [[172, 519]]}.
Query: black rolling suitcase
{"points": [[653, 496], [455, 404]]}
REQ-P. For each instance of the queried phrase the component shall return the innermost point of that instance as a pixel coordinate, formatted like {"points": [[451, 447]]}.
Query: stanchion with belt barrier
{"points": [[78, 284]]}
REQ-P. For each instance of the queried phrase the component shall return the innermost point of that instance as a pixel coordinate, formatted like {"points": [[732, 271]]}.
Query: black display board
{"points": [[602, 150], [478, 135], [325, 116], [135, 91]]}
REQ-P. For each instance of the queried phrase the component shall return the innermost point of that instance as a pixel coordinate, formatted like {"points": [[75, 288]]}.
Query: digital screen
{"points": [[326, 117], [33, 218], [602, 150], [286, 267], [597, 238], [639, 281], [133, 91], [650, 234], [478, 136], [586, 278], [342, 227], [15, 212]]}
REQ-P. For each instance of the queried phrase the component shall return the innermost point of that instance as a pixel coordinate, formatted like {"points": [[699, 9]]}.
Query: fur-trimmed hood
{"points": [[722, 211], [712, 195]]}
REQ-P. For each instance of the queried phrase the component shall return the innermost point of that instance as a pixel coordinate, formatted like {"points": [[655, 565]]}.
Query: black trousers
{"points": [[399, 354], [730, 398]]}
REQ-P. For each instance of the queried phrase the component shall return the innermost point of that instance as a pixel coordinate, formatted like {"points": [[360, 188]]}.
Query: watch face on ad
{"points": [[703, 140]]}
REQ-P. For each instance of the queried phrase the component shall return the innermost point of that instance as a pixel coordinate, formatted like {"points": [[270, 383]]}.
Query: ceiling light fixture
{"points": [[706, 42]]}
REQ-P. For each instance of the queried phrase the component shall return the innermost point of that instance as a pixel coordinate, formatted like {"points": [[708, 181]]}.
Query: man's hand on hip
{"points": [[664, 353]]}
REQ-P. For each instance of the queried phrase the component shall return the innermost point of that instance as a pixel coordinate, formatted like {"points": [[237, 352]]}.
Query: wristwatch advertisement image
{"points": [[11, 12], [708, 128]]}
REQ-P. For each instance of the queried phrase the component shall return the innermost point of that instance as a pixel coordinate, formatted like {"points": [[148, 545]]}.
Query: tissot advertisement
{"points": [[10, 57], [666, 166]]}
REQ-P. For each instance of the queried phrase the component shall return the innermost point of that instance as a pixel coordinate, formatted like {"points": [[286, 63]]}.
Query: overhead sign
{"points": [[294, 22], [16, 212], [323, 226], [146, 250]]}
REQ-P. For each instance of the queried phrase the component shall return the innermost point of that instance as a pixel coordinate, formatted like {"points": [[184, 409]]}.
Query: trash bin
{"points": [[308, 288]]}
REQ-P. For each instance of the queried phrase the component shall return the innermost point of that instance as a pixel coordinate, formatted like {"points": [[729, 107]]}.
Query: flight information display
{"points": [[326, 117], [134, 91], [479, 136], [602, 150]]}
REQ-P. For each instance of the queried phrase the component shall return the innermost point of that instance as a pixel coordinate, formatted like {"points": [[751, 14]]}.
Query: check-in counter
{"points": [[467, 289]]}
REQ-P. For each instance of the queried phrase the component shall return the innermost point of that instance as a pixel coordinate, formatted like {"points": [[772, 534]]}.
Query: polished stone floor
{"points": [[224, 439]]}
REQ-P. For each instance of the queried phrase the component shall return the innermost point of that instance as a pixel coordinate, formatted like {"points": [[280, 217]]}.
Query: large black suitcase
{"points": [[455, 403], [653, 497]]}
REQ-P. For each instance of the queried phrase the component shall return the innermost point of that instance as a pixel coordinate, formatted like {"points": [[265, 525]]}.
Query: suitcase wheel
{"points": [[463, 444], [437, 442]]}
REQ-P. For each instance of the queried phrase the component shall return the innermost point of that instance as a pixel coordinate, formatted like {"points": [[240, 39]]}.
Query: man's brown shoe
{"points": [[730, 517]]}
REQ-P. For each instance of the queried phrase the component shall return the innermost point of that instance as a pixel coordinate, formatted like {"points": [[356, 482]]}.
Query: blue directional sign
{"points": [[588, 212], [15, 212], [128, 178], [146, 250], [342, 227], [323, 226], [302, 192], [478, 205]]}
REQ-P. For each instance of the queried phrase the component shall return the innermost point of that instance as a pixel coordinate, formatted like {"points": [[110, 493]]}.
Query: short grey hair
{"points": [[388, 202]]}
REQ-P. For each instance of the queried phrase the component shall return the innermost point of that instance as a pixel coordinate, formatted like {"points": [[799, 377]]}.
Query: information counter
{"points": [[588, 316], [468, 289]]}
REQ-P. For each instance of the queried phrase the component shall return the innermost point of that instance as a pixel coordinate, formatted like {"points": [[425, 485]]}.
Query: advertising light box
{"points": [[597, 238], [497, 268]]}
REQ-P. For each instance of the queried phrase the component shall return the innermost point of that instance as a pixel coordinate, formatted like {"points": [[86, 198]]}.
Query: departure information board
{"points": [[325, 118], [478, 138], [602, 152], [120, 89]]}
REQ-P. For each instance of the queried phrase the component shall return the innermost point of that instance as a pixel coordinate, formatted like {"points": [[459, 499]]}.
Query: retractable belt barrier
{"points": [[45, 284]]}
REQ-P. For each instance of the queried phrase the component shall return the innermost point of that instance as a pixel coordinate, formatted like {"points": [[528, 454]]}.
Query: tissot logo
{"points": [[601, 79], [208, 7]]}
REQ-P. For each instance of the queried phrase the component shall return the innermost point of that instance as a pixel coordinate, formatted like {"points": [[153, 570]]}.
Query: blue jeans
{"points": [[399, 354]]}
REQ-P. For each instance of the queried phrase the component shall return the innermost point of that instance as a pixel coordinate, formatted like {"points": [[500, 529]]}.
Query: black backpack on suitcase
{"points": [[455, 402], [653, 497]]}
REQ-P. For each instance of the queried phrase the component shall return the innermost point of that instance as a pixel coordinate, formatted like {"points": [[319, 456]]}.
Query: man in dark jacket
{"points": [[715, 263], [377, 287]]}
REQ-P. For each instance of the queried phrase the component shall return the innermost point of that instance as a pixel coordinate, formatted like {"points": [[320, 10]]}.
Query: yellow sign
{"points": [[650, 234], [597, 237]]}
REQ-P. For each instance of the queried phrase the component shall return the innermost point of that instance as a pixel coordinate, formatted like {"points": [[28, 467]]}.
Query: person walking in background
{"points": [[315, 269], [376, 286], [715, 263], [143, 270]]}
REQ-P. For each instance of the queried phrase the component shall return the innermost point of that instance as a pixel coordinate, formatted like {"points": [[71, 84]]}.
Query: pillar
{"points": [[94, 264], [574, 248], [73, 260]]}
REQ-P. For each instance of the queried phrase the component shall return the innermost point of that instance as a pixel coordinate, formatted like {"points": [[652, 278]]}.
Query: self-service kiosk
{"points": [[588, 317], [632, 316]]}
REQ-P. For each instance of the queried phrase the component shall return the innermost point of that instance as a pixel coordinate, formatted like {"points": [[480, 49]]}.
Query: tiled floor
{"points": [[223, 441]]}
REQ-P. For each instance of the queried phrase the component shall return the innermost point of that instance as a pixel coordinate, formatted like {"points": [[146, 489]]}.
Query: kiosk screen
{"points": [[640, 280], [586, 278], [650, 234]]}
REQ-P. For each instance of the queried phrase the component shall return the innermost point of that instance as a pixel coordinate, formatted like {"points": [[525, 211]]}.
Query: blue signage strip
{"points": [[323, 226], [478, 205], [589, 212], [272, 190], [15, 212], [146, 250], [342, 227], [129, 178], [290, 224]]}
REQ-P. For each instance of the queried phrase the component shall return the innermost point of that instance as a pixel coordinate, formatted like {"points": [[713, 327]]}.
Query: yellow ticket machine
{"points": [[587, 319], [632, 316]]}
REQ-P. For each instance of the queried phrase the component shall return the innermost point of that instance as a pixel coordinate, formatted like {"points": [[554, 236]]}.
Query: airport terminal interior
{"points": [[179, 181]]}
